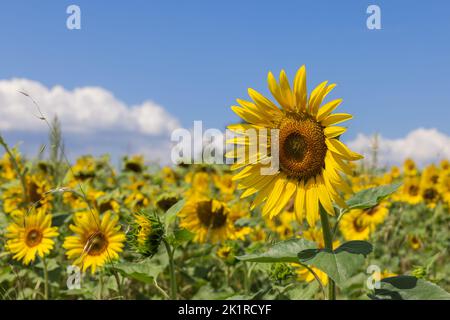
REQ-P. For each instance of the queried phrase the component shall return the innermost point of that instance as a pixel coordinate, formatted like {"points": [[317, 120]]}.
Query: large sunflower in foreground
{"points": [[96, 241], [311, 157], [30, 235]]}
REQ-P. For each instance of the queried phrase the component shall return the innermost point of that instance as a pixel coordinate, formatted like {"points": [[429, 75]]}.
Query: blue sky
{"points": [[195, 58]]}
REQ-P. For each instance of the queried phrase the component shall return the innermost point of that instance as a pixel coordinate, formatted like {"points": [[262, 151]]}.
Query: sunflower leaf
{"points": [[171, 214], [408, 288], [369, 198], [283, 251], [145, 271], [340, 264]]}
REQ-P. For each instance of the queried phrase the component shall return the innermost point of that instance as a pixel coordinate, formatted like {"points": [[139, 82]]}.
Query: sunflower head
{"points": [[302, 138], [208, 219], [96, 241], [147, 233], [30, 235], [166, 200], [134, 164]]}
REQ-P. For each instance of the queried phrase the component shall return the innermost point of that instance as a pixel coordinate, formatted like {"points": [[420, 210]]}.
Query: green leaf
{"points": [[145, 271], [283, 251], [341, 264], [171, 214], [371, 197], [408, 288], [182, 235]]}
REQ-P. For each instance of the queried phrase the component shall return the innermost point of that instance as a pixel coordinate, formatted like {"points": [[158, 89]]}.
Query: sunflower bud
{"points": [[147, 233], [281, 271]]}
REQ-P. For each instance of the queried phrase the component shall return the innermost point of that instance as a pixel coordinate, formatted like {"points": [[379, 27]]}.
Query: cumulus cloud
{"points": [[82, 110], [423, 145]]}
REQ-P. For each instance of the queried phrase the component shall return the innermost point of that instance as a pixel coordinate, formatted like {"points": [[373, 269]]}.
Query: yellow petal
{"points": [[300, 90], [312, 202], [335, 119], [327, 109], [333, 132]]}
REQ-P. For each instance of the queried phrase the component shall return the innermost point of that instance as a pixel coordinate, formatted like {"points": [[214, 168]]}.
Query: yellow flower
{"points": [[387, 274], [169, 175], [237, 211], [282, 224], [395, 172], [207, 218], [7, 171], [304, 274], [37, 187], [445, 165], [96, 241], [30, 235], [353, 227], [375, 215], [225, 252], [311, 156], [444, 186], [409, 167], [430, 195], [84, 168], [134, 164], [414, 242], [410, 191], [430, 175], [225, 184]]}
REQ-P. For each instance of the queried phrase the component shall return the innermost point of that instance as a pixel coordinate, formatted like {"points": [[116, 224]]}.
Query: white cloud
{"points": [[82, 110], [423, 145]]}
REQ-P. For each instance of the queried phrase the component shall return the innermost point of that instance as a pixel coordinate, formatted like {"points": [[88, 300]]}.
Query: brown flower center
{"points": [[413, 190], [302, 147], [209, 218], [34, 237], [96, 244]]}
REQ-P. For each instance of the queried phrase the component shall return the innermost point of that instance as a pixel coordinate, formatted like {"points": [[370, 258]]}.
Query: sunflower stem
{"points": [[173, 280], [328, 239], [44, 262]]}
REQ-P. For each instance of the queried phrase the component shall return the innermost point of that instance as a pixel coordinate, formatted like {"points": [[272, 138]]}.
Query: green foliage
{"points": [[408, 288], [340, 264], [283, 251], [369, 198]]}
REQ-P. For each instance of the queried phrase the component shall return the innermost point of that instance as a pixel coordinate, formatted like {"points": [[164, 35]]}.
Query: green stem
{"points": [[173, 280], [16, 168], [44, 262], [119, 287], [328, 239]]}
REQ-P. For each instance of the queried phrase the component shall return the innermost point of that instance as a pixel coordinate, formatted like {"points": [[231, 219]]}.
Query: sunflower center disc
{"points": [[208, 217], [302, 147], [96, 244], [34, 237]]}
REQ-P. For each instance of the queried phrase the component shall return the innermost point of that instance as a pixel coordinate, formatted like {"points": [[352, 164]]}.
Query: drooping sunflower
{"points": [[353, 227], [430, 194], [96, 241], [147, 233], [31, 234], [311, 157], [208, 219]]}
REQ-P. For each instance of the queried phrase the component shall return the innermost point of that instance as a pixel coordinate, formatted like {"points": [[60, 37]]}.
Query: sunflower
{"points": [[96, 241], [207, 218], [444, 186], [445, 165], [316, 235], [303, 274], [147, 233], [430, 194], [282, 224], [225, 184], [353, 227], [31, 234], [375, 215], [134, 164], [430, 175], [410, 168], [414, 242], [395, 172], [310, 153], [410, 191]]}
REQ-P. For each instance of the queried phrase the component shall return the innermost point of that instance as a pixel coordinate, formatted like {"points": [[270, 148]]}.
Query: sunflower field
{"points": [[326, 225]]}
